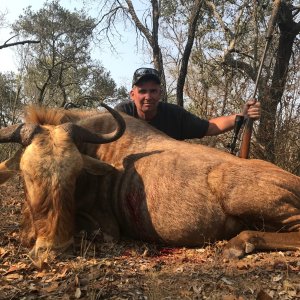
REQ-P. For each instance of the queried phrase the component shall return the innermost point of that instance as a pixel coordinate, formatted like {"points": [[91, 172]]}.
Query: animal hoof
{"points": [[36, 252], [249, 247], [233, 253]]}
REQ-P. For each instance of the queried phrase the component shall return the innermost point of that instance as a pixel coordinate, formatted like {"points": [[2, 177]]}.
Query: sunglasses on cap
{"points": [[145, 73]]}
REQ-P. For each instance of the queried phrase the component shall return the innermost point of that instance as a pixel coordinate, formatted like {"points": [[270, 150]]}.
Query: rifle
{"points": [[239, 121], [247, 133]]}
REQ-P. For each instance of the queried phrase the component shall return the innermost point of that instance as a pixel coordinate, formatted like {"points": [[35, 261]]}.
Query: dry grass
{"points": [[135, 270]]}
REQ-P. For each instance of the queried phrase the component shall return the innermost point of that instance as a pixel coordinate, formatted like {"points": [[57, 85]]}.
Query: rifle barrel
{"points": [[248, 128]]}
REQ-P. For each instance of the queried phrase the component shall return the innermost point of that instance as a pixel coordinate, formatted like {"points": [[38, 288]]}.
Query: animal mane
{"points": [[54, 116]]}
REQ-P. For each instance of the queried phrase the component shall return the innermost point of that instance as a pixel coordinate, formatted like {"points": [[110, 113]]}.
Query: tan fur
{"points": [[50, 166], [182, 194], [162, 190], [47, 116]]}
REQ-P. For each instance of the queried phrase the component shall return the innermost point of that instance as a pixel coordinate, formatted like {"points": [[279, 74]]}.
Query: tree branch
{"points": [[225, 28], [6, 45], [138, 23], [238, 64]]}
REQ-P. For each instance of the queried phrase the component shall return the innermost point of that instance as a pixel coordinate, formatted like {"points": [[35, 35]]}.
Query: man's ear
{"points": [[95, 166], [131, 94]]}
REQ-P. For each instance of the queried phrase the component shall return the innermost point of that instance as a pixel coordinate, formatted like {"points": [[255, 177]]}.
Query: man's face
{"points": [[146, 96]]}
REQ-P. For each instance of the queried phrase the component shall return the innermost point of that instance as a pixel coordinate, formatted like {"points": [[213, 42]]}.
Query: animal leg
{"points": [[248, 241], [42, 249], [10, 167], [28, 232]]}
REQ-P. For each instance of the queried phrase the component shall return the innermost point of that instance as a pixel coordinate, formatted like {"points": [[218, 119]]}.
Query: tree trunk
{"points": [[152, 38], [187, 51], [272, 96], [157, 55]]}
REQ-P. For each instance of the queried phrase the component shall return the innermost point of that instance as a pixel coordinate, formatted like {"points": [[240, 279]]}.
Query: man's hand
{"points": [[252, 109], [222, 124]]}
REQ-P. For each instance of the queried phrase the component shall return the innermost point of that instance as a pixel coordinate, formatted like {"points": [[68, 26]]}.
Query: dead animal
{"points": [[83, 170]]}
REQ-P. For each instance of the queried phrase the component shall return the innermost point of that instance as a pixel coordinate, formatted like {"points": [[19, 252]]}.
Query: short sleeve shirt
{"points": [[171, 119]]}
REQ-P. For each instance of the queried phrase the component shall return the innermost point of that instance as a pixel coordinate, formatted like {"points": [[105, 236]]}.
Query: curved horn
{"points": [[121, 125], [81, 134], [18, 133]]}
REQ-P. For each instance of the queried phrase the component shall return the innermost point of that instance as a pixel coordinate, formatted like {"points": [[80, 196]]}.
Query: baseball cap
{"points": [[145, 73]]}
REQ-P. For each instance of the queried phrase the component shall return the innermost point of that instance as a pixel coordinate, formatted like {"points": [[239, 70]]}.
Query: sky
{"points": [[121, 65]]}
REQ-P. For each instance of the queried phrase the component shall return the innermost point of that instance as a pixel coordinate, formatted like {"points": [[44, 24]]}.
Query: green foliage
{"points": [[10, 99], [59, 69]]}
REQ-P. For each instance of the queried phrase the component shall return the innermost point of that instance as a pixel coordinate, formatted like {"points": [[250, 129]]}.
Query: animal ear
{"points": [[95, 166], [10, 166]]}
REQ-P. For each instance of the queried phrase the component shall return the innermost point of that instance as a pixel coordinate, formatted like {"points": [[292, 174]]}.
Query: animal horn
{"points": [[81, 134], [121, 125], [18, 133]]}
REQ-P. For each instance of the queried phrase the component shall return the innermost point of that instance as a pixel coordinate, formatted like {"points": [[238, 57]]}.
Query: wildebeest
{"points": [[145, 185]]}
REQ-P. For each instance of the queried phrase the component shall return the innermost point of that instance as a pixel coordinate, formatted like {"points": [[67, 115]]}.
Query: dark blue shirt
{"points": [[171, 119]]}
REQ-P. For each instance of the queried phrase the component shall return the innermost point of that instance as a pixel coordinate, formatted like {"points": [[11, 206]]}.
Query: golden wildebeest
{"points": [[145, 185]]}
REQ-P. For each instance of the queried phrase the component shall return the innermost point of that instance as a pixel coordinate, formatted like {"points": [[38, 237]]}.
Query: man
{"points": [[172, 119]]}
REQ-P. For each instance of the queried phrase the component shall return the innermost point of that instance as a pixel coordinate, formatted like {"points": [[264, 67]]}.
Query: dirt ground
{"points": [[136, 270]]}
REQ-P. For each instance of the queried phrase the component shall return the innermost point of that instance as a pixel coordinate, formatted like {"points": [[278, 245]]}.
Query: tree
{"points": [[289, 29], [113, 11], [147, 27], [10, 104], [60, 68], [246, 30], [7, 43], [10, 99]]}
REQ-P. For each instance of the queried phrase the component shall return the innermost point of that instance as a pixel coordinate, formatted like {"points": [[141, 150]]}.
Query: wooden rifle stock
{"points": [[247, 133]]}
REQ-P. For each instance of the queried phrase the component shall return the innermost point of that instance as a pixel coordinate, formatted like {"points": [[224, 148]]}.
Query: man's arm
{"points": [[226, 123], [220, 125]]}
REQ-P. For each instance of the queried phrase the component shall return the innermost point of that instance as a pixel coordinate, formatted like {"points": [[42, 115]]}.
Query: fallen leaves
{"points": [[16, 268], [14, 276], [133, 270], [3, 252], [52, 287]]}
